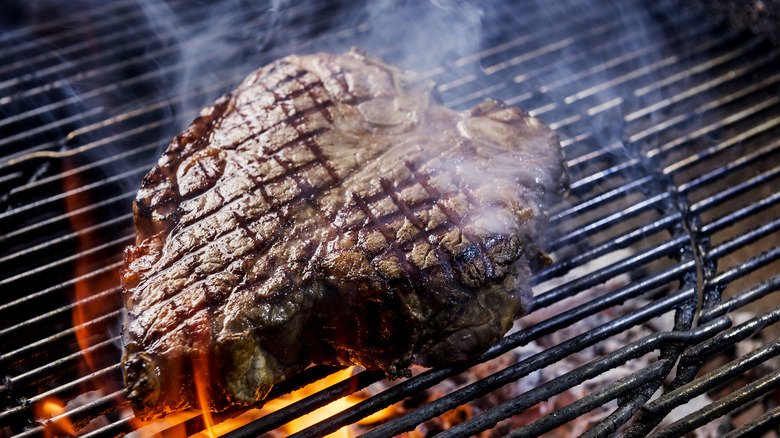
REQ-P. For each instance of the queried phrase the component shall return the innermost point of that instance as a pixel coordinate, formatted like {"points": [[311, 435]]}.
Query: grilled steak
{"points": [[330, 211]]}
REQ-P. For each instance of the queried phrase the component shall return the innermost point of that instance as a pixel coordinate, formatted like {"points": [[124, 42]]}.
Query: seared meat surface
{"points": [[330, 211]]}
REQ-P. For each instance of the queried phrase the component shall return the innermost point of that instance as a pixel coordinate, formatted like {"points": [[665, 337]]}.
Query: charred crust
{"points": [[142, 382], [321, 234]]}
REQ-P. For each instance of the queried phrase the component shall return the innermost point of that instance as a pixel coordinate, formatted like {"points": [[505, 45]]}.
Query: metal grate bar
{"points": [[64, 310], [562, 21], [70, 362], [78, 416], [121, 243], [46, 294], [124, 198], [697, 354], [637, 137], [527, 56], [588, 182], [602, 198], [147, 56], [304, 378], [600, 275], [81, 385], [123, 32], [627, 407], [55, 124], [544, 391], [734, 191], [146, 149], [39, 204], [622, 241], [632, 383], [741, 162], [757, 426], [731, 75], [610, 220], [61, 24], [70, 236], [114, 429], [720, 407], [712, 127], [308, 404], [651, 68], [711, 105], [742, 299], [12, 357], [683, 394], [723, 146], [745, 267], [698, 30], [744, 239], [568, 16]]}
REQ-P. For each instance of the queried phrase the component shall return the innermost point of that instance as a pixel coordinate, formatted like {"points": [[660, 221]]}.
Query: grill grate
{"points": [[669, 124]]}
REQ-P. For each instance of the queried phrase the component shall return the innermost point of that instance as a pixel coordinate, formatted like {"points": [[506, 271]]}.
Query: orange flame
{"points": [[200, 375], [89, 281], [221, 428], [53, 408], [168, 427], [324, 412]]}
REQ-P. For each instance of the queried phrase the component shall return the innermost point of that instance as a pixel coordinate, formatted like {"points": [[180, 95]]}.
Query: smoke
{"points": [[114, 82], [418, 35], [180, 56]]}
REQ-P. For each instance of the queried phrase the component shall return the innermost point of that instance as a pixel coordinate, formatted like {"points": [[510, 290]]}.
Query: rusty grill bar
{"points": [[670, 132]]}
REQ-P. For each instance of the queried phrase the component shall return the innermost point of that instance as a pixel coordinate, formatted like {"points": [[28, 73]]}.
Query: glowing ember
{"points": [[53, 409]]}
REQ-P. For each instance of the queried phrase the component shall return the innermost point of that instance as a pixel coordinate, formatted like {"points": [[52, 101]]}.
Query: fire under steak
{"points": [[330, 211]]}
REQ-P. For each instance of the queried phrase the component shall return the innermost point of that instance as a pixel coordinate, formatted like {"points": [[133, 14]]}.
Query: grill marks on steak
{"points": [[327, 211]]}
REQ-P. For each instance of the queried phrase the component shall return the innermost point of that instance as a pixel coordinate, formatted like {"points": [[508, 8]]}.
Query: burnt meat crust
{"points": [[329, 211]]}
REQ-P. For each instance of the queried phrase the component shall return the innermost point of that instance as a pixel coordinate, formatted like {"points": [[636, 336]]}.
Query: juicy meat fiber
{"points": [[330, 211]]}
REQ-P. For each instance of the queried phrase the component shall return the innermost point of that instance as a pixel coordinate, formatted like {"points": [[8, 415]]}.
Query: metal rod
{"points": [[45, 294], [729, 76], [634, 350], [124, 198], [602, 198], [591, 401], [64, 310], [709, 381], [600, 275], [741, 299], [737, 140], [598, 250], [758, 426], [34, 347], [733, 191], [28, 379], [720, 407], [120, 242], [750, 265], [13, 36], [610, 220], [148, 56], [126, 218], [744, 239], [125, 31]]}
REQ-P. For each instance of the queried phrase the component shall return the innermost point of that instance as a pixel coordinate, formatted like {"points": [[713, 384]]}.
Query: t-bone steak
{"points": [[330, 210]]}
